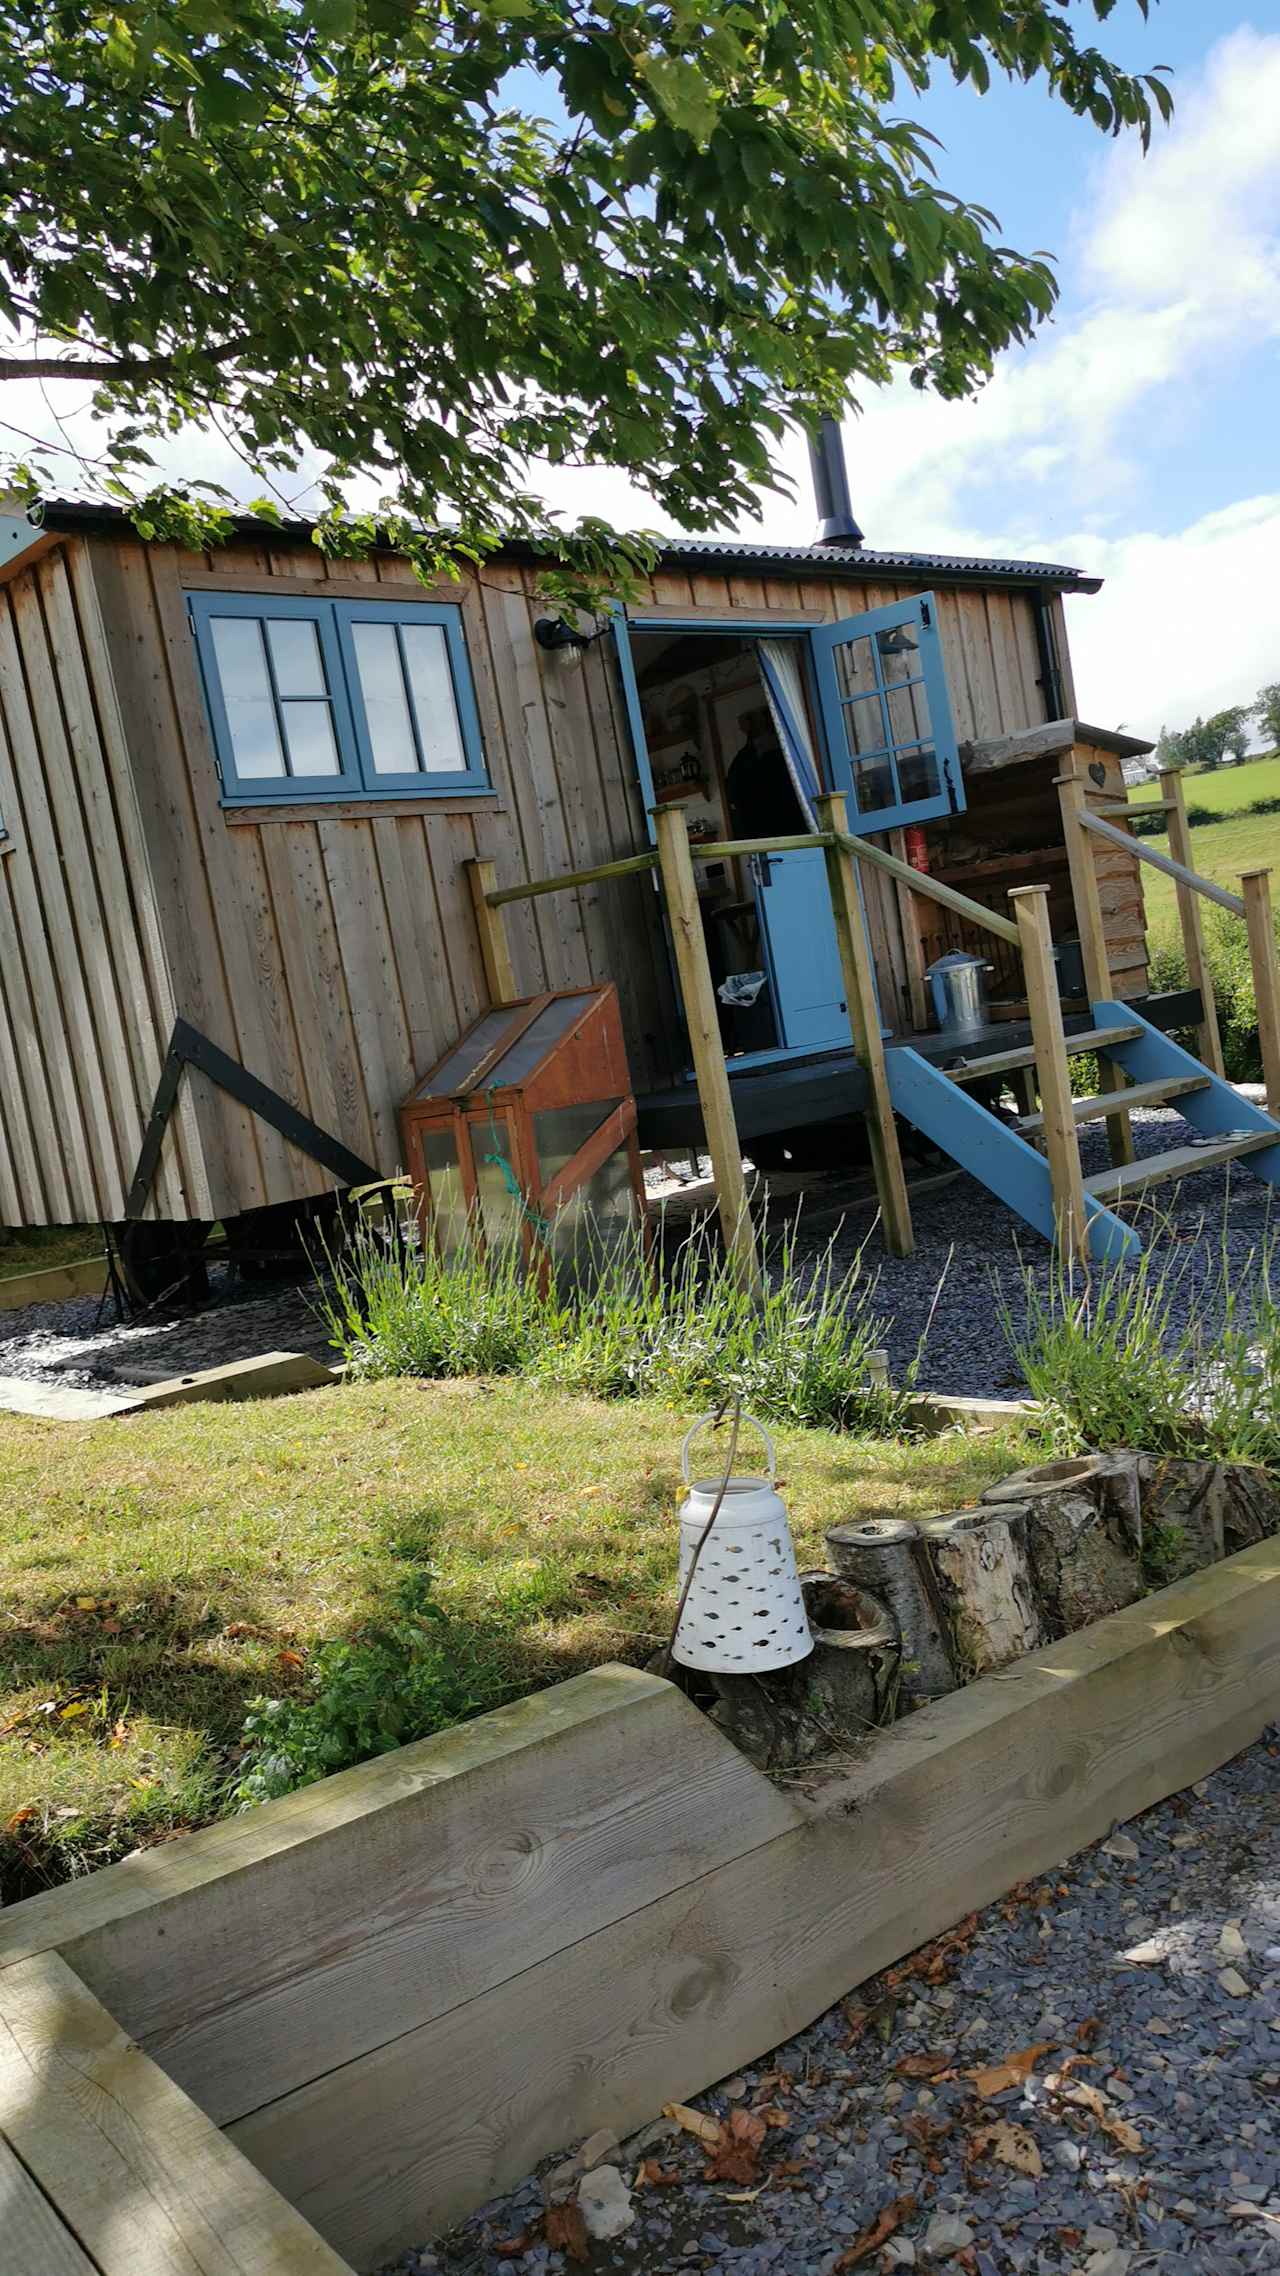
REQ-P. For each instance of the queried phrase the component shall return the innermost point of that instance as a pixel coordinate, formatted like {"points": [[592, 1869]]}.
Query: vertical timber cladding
{"points": [[332, 948], [993, 671], [85, 999]]}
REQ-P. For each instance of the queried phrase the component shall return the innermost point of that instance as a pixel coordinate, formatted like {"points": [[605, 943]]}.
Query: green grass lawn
{"points": [[1221, 850], [47, 1245], [1225, 789], [157, 1573]]}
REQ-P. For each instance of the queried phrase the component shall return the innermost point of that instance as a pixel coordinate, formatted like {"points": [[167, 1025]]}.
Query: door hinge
{"points": [[925, 617]]}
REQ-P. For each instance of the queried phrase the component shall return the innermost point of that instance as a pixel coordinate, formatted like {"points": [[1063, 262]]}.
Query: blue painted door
{"points": [[882, 691], [801, 951]]}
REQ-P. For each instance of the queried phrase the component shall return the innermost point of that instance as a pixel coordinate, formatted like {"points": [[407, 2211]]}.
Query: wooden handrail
{"points": [[930, 888], [534, 886], [1171, 868]]}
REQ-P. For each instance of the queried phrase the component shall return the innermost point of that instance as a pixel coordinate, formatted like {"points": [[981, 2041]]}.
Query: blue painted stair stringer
{"points": [[1148, 1057], [998, 1157]]}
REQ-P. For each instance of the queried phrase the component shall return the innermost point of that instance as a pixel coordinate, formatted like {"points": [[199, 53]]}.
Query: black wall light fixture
{"points": [[558, 636]]}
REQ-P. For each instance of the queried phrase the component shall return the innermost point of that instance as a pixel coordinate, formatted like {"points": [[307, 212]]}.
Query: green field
{"points": [[1226, 790], [1220, 850]]}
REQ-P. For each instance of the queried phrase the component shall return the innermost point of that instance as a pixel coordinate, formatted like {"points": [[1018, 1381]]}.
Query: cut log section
{"points": [[982, 1568], [1083, 1524], [825, 1704], [887, 1556]]}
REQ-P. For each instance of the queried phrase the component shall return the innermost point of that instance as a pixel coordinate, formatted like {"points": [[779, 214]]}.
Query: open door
{"points": [[882, 689]]}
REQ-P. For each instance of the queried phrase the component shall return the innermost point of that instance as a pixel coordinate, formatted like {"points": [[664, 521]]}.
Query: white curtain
{"points": [[783, 676]]}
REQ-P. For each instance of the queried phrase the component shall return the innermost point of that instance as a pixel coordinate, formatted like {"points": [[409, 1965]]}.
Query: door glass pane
{"points": [[873, 784], [918, 772], [855, 662], [444, 1179], [308, 731], [385, 702], [500, 1209], [246, 694], [898, 651], [295, 656], [908, 710], [864, 724], [435, 708]]}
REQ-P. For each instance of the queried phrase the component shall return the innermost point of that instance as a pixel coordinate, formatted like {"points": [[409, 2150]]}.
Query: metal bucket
{"points": [[959, 992]]}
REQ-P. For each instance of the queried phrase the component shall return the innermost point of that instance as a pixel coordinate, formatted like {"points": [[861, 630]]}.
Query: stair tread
{"points": [[1180, 1161], [1134, 1095], [1003, 1062]]}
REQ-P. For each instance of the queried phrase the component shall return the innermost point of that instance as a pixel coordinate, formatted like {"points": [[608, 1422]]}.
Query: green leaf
{"points": [[682, 94]]}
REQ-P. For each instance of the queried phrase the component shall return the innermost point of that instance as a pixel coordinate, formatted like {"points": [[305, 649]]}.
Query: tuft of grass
{"points": [[1155, 1353], [161, 1574], [687, 1333]]}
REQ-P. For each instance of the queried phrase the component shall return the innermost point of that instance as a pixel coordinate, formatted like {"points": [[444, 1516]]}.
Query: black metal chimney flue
{"points": [[836, 525]]}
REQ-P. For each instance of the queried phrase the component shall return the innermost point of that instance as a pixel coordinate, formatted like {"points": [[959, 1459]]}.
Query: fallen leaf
{"points": [[1011, 2144], [997, 2078], [775, 2115], [708, 2130], [1087, 2032], [737, 2155], [290, 1659], [655, 2176], [881, 2229], [922, 2066], [73, 1707], [20, 1817], [512, 2247], [743, 2196], [565, 2231]]}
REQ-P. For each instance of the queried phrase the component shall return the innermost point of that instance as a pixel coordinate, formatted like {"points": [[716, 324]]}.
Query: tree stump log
{"points": [[1252, 1507], [887, 1555], [982, 1567], [825, 1704], [1084, 1526], [1184, 1507]]}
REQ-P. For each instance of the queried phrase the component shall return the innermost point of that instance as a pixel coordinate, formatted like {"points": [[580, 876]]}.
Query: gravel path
{"points": [[1138, 1989], [989, 1247], [60, 1343]]}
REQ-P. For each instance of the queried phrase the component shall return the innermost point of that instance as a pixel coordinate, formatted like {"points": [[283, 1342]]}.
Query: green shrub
{"points": [[399, 1679], [686, 1332], [1227, 950], [1156, 1354]]}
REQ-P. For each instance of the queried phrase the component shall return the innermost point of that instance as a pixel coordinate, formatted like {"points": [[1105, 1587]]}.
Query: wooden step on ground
{"points": [[1004, 1062], [1129, 1178], [1111, 1102]]}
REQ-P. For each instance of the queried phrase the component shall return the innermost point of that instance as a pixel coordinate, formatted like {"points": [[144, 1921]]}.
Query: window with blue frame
{"points": [[312, 699]]}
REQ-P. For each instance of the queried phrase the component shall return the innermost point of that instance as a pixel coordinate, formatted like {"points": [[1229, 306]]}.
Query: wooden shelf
{"points": [[679, 791]]}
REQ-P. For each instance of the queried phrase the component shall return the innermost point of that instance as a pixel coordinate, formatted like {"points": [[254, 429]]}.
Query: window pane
{"points": [[909, 713], [873, 784], [435, 708], [246, 693], [308, 731], [918, 773], [501, 1210], [385, 703], [295, 656], [856, 665], [559, 1131], [864, 724], [448, 1199]]}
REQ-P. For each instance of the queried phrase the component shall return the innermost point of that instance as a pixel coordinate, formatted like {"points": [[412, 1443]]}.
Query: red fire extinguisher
{"points": [[917, 851]]}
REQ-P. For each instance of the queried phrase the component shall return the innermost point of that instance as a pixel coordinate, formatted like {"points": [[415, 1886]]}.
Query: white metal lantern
{"points": [[745, 1612]]}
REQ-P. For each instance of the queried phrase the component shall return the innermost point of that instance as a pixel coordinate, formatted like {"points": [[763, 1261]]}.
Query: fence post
{"points": [[701, 1015], [1190, 918], [864, 1023], [1061, 1137], [1255, 885], [1093, 936], [495, 951]]}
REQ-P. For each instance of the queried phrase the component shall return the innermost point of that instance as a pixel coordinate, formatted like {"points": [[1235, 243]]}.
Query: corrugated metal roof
{"points": [[690, 552]]}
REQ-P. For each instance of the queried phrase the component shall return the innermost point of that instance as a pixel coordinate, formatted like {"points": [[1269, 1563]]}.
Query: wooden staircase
{"points": [[1150, 1070]]}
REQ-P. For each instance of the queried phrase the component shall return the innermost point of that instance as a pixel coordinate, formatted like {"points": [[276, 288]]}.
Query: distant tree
{"points": [[1207, 742], [1265, 712], [1169, 750]]}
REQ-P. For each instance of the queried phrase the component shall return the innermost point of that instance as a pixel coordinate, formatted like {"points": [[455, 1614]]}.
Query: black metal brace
{"points": [[189, 1048]]}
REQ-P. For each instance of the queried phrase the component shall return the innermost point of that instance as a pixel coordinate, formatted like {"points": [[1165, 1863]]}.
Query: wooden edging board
{"points": [[398, 1989], [53, 1284]]}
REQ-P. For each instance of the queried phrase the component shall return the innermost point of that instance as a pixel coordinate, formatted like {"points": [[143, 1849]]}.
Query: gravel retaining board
{"points": [[1147, 1970]]}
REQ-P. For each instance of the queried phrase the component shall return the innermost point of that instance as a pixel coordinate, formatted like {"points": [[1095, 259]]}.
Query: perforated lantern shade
{"points": [[527, 1128]]}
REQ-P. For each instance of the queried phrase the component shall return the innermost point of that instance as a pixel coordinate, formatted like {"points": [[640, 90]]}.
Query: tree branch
{"points": [[57, 367]]}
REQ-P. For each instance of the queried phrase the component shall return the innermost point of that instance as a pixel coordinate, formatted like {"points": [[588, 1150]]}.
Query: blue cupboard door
{"points": [[803, 955], [886, 715]]}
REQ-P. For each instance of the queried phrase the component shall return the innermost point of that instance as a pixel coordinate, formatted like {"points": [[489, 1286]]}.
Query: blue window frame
{"points": [[882, 691], [315, 699]]}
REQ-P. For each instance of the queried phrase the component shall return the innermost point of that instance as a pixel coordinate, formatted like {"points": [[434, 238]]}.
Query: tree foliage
{"points": [[433, 242], [1265, 712], [1207, 742]]}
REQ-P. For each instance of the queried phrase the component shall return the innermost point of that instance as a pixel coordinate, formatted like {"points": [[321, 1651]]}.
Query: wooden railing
{"points": [[673, 858], [1252, 903]]}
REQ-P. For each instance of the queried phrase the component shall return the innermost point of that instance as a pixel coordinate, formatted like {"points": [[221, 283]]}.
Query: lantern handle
{"points": [[701, 1424]]}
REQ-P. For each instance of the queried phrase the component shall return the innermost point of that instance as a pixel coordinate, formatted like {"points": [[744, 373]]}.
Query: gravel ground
{"points": [[60, 1343], [1135, 1992], [989, 1247]]}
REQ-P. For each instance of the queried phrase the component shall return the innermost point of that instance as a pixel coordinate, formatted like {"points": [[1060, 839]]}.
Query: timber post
{"points": [[495, 949], [1093, 937], [702, 1017], [1255, 885], [864, 1024], [1189, 917], [1061, 1137]]}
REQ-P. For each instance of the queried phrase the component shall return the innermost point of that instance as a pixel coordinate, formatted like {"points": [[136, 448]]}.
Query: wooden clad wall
{"points": [[331, 948], [86, 1003]]}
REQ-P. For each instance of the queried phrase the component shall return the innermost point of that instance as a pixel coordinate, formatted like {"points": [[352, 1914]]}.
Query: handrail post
{"points": [[710, 1072], [1255, 885], [495, 949], [1189, 917], [1061, 1137], [864, 1024], [1093, 936]]}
